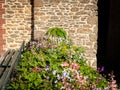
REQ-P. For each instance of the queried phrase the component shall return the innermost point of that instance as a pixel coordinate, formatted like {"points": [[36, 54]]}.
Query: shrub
{"points": [[48, 65]]}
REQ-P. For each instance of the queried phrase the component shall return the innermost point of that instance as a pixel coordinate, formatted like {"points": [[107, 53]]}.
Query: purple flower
{"points": [[39, 46], [97, 80], [47, 66], [98, 68], [102, 68]]}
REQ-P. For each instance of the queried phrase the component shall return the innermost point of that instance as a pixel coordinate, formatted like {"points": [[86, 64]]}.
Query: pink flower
{"points": [[33, 43], [65, 64], [75, 66], [113, 85], [38, 69]]}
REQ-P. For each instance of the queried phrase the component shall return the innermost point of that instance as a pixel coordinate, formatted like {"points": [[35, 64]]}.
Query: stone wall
{"points": [[18, 22], [77, 17]]}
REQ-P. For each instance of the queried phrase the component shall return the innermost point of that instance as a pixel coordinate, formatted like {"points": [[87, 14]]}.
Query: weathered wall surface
{"points": [[77, 17], [2, 31], [18, 22]]}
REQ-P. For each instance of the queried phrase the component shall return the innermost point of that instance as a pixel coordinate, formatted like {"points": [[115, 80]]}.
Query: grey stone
{"points": [[84, 1]]}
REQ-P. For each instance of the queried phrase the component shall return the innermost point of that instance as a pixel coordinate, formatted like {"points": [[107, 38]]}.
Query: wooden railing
{"points": [[8, 63]]}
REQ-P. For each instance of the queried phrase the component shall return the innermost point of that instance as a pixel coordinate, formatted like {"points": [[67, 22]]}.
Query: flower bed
{"points": [[55, 64]]}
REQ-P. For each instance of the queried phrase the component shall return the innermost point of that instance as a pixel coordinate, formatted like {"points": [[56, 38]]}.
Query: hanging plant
{"points": [[56, 32]]}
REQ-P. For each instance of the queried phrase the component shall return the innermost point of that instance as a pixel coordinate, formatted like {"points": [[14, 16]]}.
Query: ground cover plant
{"points": [[52, 62]]}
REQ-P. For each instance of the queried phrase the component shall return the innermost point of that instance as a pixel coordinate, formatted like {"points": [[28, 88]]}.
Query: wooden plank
{"points": [[2, 80], [20, 52], [22, 46], [3, 57], [9, 62], [8, 58], [8, 71], [1, 71]]}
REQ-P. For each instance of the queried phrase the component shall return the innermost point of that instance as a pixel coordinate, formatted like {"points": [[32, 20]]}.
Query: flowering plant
{"points": [[53, 65]]}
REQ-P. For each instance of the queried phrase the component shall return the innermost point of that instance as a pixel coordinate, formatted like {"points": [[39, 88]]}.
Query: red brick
{"points": [[2, 31], [2, 1]]}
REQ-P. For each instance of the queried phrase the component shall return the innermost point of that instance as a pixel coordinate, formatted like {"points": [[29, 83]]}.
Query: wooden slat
{"points": [[9, 62], [9, 70], [1, 71], [2, 80], [20, 51], [4, 56], [4, 66], [22, 46], [8, 58]]}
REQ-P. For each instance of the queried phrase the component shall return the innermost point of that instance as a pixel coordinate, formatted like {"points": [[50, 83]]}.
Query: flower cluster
{"points": [[112, 82], [37, 69], [69, 75], [59, 65], [72, 65]]}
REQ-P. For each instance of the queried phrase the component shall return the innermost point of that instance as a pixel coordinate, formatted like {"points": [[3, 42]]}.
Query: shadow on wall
{"points": [[32, 19]]}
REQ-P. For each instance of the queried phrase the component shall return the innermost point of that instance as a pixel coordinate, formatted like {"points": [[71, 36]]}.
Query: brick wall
{"points": [[77, 17], [2, 30]]}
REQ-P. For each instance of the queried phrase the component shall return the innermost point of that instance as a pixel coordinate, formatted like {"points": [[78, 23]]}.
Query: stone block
{"points": [[22, 1], [86, 31], [38, 3], [91, 7], [94, 1], [74, 9], [54, 1], [81, 13], [11, 0], [84, 1], [54, 17], [92, 20], [10, 40]]}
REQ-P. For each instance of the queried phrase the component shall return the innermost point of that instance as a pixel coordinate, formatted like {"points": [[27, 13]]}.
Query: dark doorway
{"points": [[103, 24], [113, 40], [103, 27], [109, 36]]}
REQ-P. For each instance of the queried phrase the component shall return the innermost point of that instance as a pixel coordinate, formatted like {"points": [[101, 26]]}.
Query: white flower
{"points": [[65, 73], [106, 88], [58, 77], [47, 77], [55, 81], [54, 72], [81, 55]]}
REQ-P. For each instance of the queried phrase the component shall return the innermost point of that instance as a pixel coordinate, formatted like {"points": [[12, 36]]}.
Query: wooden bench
{"points": [[8, 63]]}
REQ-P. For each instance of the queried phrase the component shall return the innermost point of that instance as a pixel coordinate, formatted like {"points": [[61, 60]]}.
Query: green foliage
{"points": [[57, 32], [47, 65]]}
